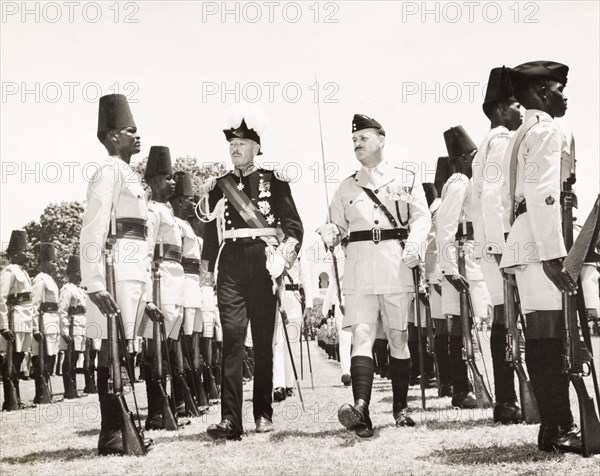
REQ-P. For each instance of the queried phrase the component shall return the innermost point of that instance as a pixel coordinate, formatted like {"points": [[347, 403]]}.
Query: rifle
{"points": [[484, 400], [196, 374], [417, 280], [577, 353], [190, 405], [68, 364], [209, 377], [529, 406], [11, 397], [88, 364], [133, 441], [45, 391], [430, 347], [169, 419]]}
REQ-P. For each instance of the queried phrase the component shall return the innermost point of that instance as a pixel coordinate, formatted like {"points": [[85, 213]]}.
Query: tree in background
{"points": [[60, 224]]}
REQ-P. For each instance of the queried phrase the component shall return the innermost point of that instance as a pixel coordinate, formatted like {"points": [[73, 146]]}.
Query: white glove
{"points": [[275, 262], [287, 249], [410, 256], [330, 234]]}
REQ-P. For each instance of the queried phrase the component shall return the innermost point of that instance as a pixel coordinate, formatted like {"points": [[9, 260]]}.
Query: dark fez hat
{"points": [[360, 122], [242, 132], [73, 265], [159, 161], [458, 142], [183, 184], [47, 252], [539, 70], [18, 241], [113, 113], [499, 88]]}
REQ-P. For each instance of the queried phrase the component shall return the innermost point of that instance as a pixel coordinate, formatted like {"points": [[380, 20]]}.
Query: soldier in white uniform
{"points": [[433, 279], [114, 192], [296, 278], [46, 323], [384, 212], [503, 111], [454, 222], [164, 244], [535, 246], [71, 310], [331, 300], [15, 291]]}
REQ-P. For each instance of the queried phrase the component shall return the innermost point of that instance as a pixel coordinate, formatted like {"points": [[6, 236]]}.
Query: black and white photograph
{"points": [[299, 237]]}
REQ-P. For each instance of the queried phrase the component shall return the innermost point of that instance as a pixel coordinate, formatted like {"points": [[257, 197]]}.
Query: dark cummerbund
{"points": [[191, 265], [131, 228], [13, 299], [49, 307], [76, 310], [169, 252]]}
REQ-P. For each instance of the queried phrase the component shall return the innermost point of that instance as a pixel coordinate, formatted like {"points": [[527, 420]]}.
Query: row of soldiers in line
{"points": [[39, 319], [499, 218]]}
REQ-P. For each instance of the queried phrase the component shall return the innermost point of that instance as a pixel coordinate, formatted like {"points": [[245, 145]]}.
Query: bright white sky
{"points": [[377, 61]]}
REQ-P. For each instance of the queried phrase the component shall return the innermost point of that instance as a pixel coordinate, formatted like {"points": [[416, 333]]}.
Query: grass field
{"points": [[61, 439]]}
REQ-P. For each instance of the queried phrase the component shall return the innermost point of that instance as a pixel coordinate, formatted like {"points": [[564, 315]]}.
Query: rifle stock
{"points": [[45, 393], [416, 280], [196, 373], [529, 406], [190, 405], [484, 400], [11, 398], [133, 441], [430, 349]]}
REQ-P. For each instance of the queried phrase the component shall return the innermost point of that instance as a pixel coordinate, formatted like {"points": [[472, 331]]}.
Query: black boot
{"points": [[400, 372], [462, 396], [357, 417], [90, 382], [70, 390], [413, 348], [506, 409], [444, 367]]}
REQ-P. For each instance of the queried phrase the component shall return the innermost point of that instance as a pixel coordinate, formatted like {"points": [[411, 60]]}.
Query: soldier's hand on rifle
{"points": [[105, 302], [154, 312], [553, 269], [37, 335], [458, 282], [330, 234], [7, 334]]}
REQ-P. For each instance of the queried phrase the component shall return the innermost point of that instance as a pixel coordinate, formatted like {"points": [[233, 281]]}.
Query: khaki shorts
{"points": [[366, 308]]}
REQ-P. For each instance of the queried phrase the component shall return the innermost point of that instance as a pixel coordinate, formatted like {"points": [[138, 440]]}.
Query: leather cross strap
{"points": [[384, 209]]}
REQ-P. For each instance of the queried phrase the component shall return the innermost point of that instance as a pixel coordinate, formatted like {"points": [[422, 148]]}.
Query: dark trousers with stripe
{"points": [[244, 293]]}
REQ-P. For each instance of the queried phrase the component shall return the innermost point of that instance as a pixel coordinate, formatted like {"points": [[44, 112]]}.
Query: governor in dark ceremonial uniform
{"points": [[536, 158], [250, 202], [384, 212]]}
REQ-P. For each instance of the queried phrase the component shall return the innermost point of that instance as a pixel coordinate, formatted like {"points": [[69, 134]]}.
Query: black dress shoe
{"points": [[402, 419], [223, 430], [289, 391], [356, 418], [561, 438], [347, 380], [507, 413], [110, 442], [465, 400], [264, 425], [279, 394]]}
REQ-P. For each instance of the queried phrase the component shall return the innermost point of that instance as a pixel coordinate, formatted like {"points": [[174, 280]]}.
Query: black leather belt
{"points": [[292, 287], [13, 299], [377, 234], [132, 228], [76, 310], [521, 208], [191, 265], [169, 252], [460, 234], [49, 307]]}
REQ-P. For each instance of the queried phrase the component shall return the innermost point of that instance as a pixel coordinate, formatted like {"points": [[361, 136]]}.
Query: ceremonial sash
{"points": [[244, 206]]}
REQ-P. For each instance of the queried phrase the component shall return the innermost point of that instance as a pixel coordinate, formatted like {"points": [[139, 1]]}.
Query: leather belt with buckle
{"points": [[377, 234]]}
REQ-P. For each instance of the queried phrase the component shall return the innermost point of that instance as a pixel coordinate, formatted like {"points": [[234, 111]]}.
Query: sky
{"points": [[417, 67]]}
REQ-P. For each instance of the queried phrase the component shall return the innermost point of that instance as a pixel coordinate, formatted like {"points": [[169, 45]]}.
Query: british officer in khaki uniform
{"points": [[454, 222], [535, 245], [164, 245], [15, 292], [46, 323], [114, 197], [384, 243], [504, 113]]}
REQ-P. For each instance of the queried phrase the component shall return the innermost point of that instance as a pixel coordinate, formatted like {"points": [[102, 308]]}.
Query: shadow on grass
{"points": [[66, 454], [84, 433], [471, 455], [348, 438]]}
